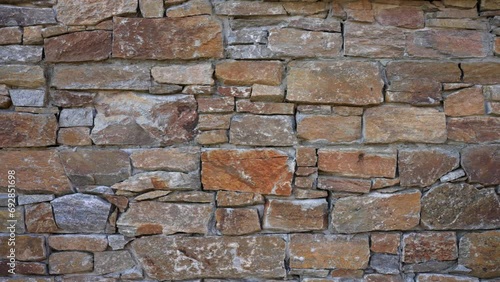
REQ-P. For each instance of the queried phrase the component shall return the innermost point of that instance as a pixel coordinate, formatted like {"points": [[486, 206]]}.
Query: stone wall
{"points": [[250, 141]]}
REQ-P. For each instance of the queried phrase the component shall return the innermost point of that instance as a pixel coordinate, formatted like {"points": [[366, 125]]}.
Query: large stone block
{"points": [[429, 246], [82, 12], [296, 215], [22, 76], [27, 130], [474, 129], [480, 252], [78, 46], [328, 129]]}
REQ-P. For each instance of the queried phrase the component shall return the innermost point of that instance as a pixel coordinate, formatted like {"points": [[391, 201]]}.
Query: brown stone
{"points": [[435, 43], [74, 136], [314, 109], [474, 129], [28, 247], [385, 242], [83, 12], [309, 194], [78, 46], [471, 209], [70, 262], [481, 72], [183, 159], [259, 130], [5, 102], [291, 42], [465, 102], [295, 215], [329, 129], [96, 167], [24, 268], [306, 156], [305, 182], [425, 277], [347, 273], [160, 180], [482, 164], [379, 183], [86, 243], [112, 261], [237, 221], [267, 93], [241, 170], [242, 8], [36, 171], [357, 163], [235, 91], [429, 246], [39, 218], [347, 111], [190, 8], [388, 124], [422, 168], [215, 104], [27, 130], [214, 121], [458, 23], [243, 72], [70, 99], [369, 40], [403, 16], [340, 184], [332, 82], [188, 197], [480, 252], [329, 251], [148, 120], [188, 38], [212, 137], [22, 76], [237, 199], [375, 211], [264, 108], [179, 258], [150, 217], [316, 24], [10, 35]]}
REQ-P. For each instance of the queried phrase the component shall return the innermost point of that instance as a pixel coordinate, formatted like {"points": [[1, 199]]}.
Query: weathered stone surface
{"points": [[291, 42], [328, 129], [452, 175], [236, 199], [20, 54], [156, 88], [384, 263], [365, 40], [481, 72], [340, 184], [100, 76], [78, 46], [36, 171], [306, 156], [316, 24], [264, 108], [112, 261], [382, 278], [329, 251], [379, 183], [235, 91], [309, 194], [471, 209], [39, 218], [24, 268], [70, 99], [357, 163], [184, 74], [188, 197], [22, 76], [257, 130], [215, 104], [181, 258], [237, 221], [480, 252], [403, 16], [429, 246], [27, 97], [151, 8], [190, 8], [424, 167], [189, 38], [25, 16], [388, 124], [212, 137], [5, 102], [11, 35], [243, 8], [182, 159], [458, 23], [482, 164], [295, 215], [243, 72], [385, 242], [149, 217], [87, 243], [5, 215], [474, 129], [159, 180], [82, 12], [465, 102], [33, 199], [399, 211], [28, 247], [148, 120], [96, 167], [70, 262], [152, 195], [333, 82], [267, 93], [74, 136], [241, 170], [81, 213], [76, 117], [425, 277]]}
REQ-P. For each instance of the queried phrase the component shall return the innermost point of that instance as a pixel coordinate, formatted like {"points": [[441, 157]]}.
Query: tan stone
{"points": [[379, 183], [184, 74], [151, 8], [241, 170], [83, 12], [385, 242], [10, 35], [369, 40], [264, 108], [328, 129], [332, 82], [402, 16], [429, 246], [357, 163], [347, 273], [28, 247], [87, 243], [291, 42], [329, 251], [183, 159], [295, 215], [74, 136], [39, 218], [465, 102], [260, 130], [32, 35], [78, 46], [244, 72], [481, 72], [70, 262], [375, 211], [474, 129], [214, 121], [243, 8], [482, 164], [237, 199], [340, 184], [306, 156], [212, 137], [388, 124], [309, 194], [267, 93], [22, 76], [237, 221], [190, 8], [458, 23], [480, 252]]}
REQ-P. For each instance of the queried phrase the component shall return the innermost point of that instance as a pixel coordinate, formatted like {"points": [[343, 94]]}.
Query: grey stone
{"points": [[255, 130], [453, 175], [27, 97], [384, 263], [430, 266], [118, 242], [4, 200], [81, 213], [247, 36], [20, 54], [157, 88], [76, 117], [25, 16], [33, 199], [249, 52], [112, 261], [18, 216], [160, 180]]}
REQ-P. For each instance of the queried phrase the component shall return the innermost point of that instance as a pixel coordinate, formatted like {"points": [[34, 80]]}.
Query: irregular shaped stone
{"points": [[74, 136], [118, 242], [76, 117], [340, 184], [329, 251], [376, 211], [178, 258], [20, 54], [152, 195], [81, 213], [256, 130], [465, 102], [22, 76], [291, 42], [70, 262], [295, 215], [188, 38], [87, 243], [5, 102], [384, 263], [25, 16], [241, 52], [190, 8], [448, 43], [33, 199], [369, 40], [11, 35], [388, 124], [100, 76], [112, 261], [6, 215], [27, 97], [39, 218], [429, 246], [41, 171], [357, 163], [237, 221], [159, 180], [402, 16], [96, 167], [379, 183], [332, 82], [183, 159], [481, 72], [25, 268], [28, 247], [188, 197], [81, 12], [301, 8], [243, 72], [422, 168], [480, 252], [79, 46], [382, 278], [151, 8], [149, 120], [184, 74], [309, 194], [453, 175], [382, 242], [243, 8], [474, 129], [236, 199], [471, 209], [315, 24], [71, 99], [328, 129], [425, 277], [241, 170], [482, 164]]}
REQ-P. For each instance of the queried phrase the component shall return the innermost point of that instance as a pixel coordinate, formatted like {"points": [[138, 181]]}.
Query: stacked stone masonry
{"points": [[212, 140]]}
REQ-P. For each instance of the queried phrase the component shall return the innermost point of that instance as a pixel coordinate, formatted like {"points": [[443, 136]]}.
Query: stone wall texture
{"points": [[212, 140]]}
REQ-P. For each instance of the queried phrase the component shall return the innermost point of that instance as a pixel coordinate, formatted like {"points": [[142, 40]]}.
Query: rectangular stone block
{"points": [[22, 76], [357, 163], [79, 46], [370, 40], [245, 72], [259, 130], [27, 97], [289, 42], [81, 12], [474, 129], [26, 16], [27, 130], [296, 215], [184, 74], [326, 129], [13, 54], [429, 246]]}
